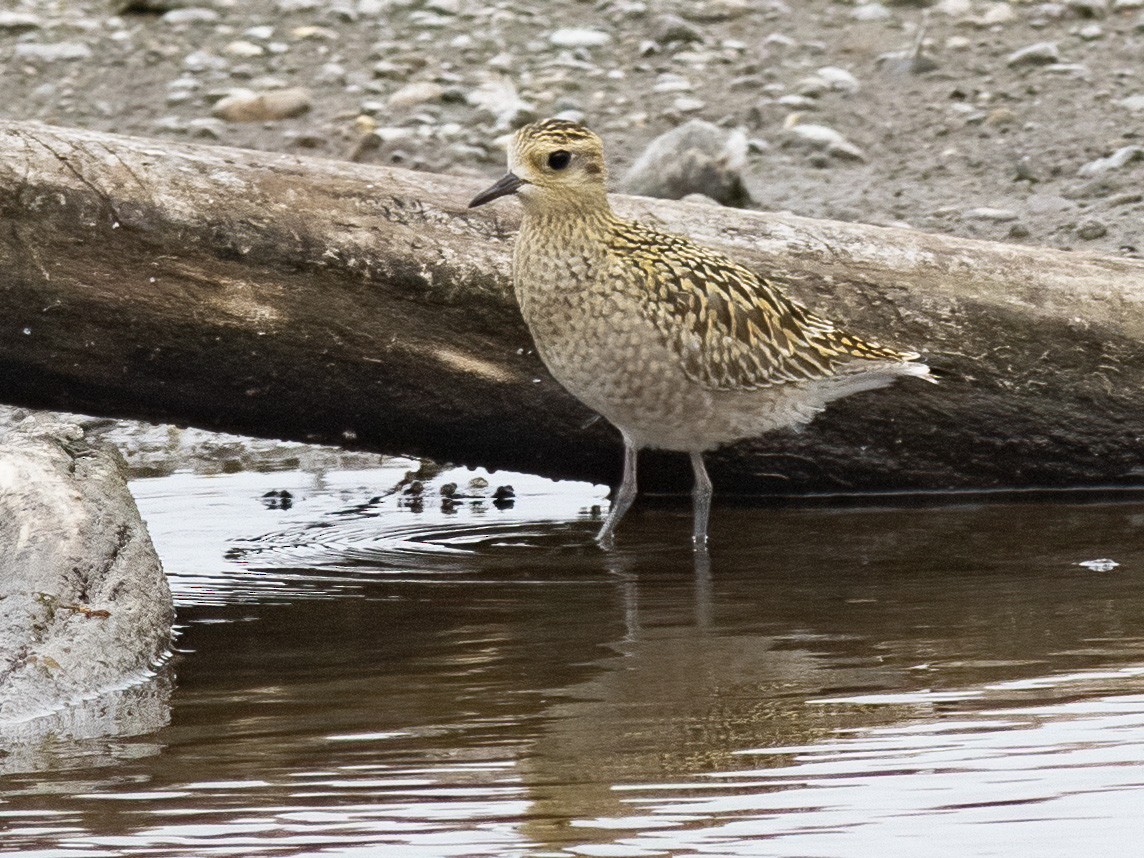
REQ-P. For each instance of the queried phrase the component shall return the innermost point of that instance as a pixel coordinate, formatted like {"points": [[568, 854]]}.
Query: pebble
{"points": [[990, 214], [870, 12], [48, 53], [245, 105], [827, 79], [1119, 158], [243, 49], [18, 22], [1124, 5], [954, 8], [997, 13], [1091, 32], [696, 157], [1091, 229], [190, 15], [670, 82], [688, 104], [200, 61], [824, 139], [1040, 54], [574, 37], [1133, 102], [420, 92]]}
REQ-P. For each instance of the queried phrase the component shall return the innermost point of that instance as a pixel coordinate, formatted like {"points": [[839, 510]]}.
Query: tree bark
{"points": [[338, 303]]}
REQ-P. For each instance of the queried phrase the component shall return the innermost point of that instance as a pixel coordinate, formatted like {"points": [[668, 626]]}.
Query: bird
{"points": [[677, 345]]}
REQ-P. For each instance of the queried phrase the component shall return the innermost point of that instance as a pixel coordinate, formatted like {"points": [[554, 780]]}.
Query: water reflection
{"points": [[485, 683]]}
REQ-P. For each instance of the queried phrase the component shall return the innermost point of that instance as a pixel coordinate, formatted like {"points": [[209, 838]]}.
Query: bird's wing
{"points": [[732, 329]]}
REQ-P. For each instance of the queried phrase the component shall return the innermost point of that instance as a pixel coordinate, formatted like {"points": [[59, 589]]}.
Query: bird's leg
{"points": [[701, 500], [626, 493]]}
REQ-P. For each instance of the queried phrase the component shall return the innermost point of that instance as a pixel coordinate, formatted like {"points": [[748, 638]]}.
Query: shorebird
{"points": [[678, 346]]}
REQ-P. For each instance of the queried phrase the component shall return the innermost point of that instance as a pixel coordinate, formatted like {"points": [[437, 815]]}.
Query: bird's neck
{"points": [[576, 219]]}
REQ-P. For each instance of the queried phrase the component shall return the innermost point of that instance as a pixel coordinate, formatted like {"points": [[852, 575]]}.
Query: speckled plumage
{"points": [[677, 345]]}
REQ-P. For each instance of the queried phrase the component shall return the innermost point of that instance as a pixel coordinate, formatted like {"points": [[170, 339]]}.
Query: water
{"points": [[354, 678]]}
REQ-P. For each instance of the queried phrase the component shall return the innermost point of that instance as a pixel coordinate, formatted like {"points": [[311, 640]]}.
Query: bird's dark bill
{"points": [[506, 185]]}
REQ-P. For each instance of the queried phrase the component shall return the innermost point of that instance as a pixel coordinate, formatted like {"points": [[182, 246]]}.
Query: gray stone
{"points": [[1115, 161], [18, 22], [823, 139], [48, 53], [666, 29], [1090, 230], [1040, 54], [1133, 102], [84, 604], [696, 157]]}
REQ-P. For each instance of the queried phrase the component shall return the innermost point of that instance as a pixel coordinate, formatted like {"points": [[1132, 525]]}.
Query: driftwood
{"points": [[298, 298]]}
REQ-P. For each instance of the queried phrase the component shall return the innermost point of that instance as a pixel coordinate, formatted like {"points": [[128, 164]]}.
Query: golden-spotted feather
{"points": [[738, 331]]}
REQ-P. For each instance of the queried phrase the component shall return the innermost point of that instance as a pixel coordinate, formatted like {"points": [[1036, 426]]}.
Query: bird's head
{"points": [[553, 164]]}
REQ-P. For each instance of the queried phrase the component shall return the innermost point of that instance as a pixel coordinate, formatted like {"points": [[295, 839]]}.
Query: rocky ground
{"points": [[1014, 121], [1007, 120]]}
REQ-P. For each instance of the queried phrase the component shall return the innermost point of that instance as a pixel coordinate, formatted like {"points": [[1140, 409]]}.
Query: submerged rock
{"points": [[84, 604], [695, 158]]}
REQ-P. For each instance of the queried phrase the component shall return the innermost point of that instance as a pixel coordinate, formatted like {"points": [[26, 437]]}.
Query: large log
{"points": [[332, 302]]}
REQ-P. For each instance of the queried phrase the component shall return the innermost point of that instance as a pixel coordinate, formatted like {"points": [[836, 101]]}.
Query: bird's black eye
{"points": [[559, 159]]}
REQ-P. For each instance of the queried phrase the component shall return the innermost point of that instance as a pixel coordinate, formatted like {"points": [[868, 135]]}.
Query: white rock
{"points": [[419, 92], [1133, 102], [839, 79], [688, 104], [243, 49], [955, 8], [18, 22], [48, 53], [990, 214], [198, 61], [575, 37], [190, 15], [670, 82], [870, 12], [1121, 5], [997, 13], [825, 139]]}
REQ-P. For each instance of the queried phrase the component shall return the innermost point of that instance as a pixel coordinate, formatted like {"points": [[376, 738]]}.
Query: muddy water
{"points": [[358, 678]]}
